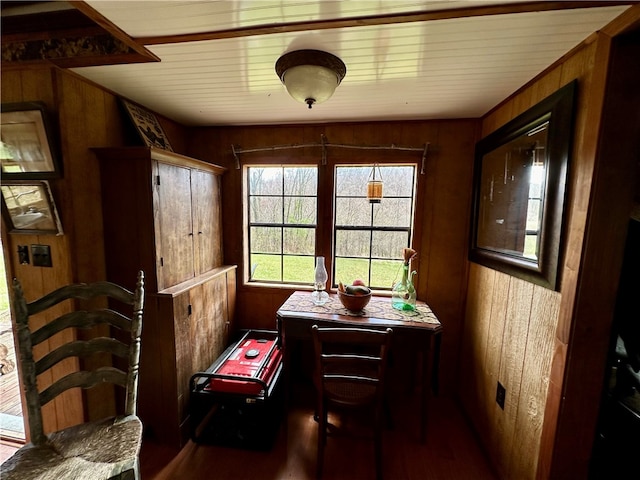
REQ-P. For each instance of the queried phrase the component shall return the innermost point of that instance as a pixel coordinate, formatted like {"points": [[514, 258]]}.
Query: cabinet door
{"points": [[173, 212], [183, 331], [205, 200], [208, 325], [200, 337]]}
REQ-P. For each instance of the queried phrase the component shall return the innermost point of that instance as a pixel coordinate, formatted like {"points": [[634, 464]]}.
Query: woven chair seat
{"points": [[88, 451], [349, 393]]}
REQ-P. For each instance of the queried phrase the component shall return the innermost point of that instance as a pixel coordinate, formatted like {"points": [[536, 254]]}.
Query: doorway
{"points": [[617, 440], [11, 419]]}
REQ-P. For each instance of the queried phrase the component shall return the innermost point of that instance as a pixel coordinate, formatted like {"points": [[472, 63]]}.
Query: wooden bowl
{"points": [[354, 303]]}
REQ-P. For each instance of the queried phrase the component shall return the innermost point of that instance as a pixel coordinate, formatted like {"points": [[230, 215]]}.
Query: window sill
{"points": [[304, 288], [278, 286]]}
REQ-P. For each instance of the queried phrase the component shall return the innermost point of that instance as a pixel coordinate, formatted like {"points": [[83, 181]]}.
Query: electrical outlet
{"points": [[501, 393]]}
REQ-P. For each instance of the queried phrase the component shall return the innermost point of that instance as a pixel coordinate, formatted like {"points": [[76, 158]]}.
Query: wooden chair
{"points": [[95, 450], [350, 373]]}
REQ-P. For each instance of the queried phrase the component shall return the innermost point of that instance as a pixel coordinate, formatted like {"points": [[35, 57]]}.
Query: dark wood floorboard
{"points": [[450, 451]]}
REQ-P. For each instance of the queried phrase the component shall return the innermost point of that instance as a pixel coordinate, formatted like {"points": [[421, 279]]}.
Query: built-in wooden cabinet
{"points": [[161, 214], [188, 232], [161, 210], [191, 324]]}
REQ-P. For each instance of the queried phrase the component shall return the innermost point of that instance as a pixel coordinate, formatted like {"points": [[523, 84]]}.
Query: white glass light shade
{"points": [[310, 84], [310, 76]]}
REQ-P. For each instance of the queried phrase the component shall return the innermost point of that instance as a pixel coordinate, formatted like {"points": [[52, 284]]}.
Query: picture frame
{"points": [[27, 148], [147, 125], [28, 208], [519, 190]]}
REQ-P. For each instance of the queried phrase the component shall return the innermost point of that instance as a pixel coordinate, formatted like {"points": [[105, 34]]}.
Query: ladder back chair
{"points": [[101, 449], [350, 373]]}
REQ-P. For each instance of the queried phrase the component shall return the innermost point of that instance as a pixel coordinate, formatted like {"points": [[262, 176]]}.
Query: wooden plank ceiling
{"points": [[205, 63]]}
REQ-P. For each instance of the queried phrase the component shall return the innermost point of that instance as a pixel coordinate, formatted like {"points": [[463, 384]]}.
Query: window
{"points": [[282, 213], [534, 212], [536, 156], [369, 237], [282, 217]]}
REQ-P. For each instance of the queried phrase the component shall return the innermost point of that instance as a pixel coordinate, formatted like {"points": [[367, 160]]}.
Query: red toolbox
{"points": [[237, 402]]}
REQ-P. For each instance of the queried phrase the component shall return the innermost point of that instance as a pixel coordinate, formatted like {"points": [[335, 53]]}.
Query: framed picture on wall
{"points": [[147, 126], [28, 208], [27, 143]]}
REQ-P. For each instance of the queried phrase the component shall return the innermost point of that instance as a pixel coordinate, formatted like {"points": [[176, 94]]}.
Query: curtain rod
{"points": [[236, 150]]}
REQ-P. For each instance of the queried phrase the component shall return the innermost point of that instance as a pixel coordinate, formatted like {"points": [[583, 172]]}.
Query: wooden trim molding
{"points": [[113, 30], [75, 37], [369, 20]]}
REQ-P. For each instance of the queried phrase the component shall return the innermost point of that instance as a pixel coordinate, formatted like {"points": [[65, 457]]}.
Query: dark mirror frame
{"points": [[40, 202], [47, 146], [557, 109]]}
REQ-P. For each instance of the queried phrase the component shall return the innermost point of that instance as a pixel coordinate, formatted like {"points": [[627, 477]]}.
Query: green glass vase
{"points": [[403, 294]]}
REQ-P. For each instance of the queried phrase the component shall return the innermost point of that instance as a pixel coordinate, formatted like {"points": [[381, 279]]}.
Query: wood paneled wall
{"points": [[510, 335], [508, 338], [24, 86], [442, 214], [83, 116], [522, 335]]}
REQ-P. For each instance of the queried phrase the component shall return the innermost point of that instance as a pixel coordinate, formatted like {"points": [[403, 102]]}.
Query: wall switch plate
{"points": [[501, 393], [41, 255]]}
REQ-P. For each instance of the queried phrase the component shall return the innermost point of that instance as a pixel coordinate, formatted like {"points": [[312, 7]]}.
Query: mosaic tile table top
{"points": [[378, 308]]}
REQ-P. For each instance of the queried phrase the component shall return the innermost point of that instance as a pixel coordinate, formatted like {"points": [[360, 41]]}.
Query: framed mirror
{"points": [[520, 174], [27, 148], [28, 208]]}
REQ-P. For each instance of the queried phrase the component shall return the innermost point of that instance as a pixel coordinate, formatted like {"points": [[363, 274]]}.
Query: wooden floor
{"points": [[449, 453], [11, 422]]}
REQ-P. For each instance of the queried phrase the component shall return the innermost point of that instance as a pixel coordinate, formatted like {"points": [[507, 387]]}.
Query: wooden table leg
{"points": [[424, 388], [286, 368], [435, 375], [430, 368]]}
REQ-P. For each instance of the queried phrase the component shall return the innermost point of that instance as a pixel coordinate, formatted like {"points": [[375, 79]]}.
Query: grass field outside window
{"points": [[368, 239]]}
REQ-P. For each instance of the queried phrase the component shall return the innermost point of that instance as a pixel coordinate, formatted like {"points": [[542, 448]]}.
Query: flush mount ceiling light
{"points": [[311, 76]]}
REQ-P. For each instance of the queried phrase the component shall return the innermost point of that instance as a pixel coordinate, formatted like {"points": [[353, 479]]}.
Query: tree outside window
{"points": [[282, 204], [367, 238]]}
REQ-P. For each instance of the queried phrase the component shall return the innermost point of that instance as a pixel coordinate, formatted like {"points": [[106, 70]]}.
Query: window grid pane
{"points": [[282, 214], [369, 238]]}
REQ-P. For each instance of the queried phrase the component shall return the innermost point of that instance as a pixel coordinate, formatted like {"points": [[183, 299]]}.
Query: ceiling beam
{"points": [[385, 19], [114, 31], [77, 36]]}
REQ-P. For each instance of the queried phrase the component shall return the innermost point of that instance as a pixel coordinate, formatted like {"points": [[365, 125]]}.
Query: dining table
{"points": [[417, 329]]}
